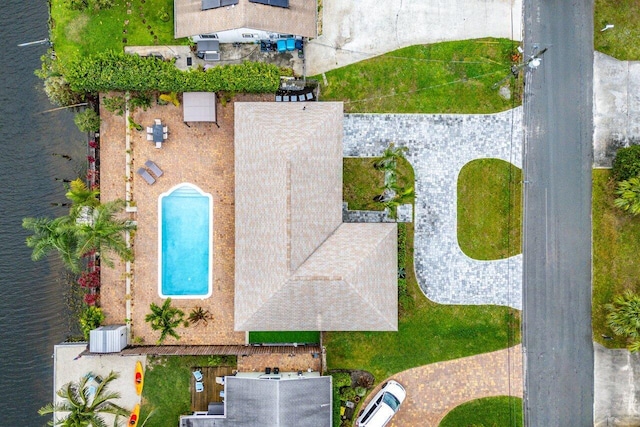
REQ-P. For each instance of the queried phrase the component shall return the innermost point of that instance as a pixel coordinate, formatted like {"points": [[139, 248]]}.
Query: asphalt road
{"points": [[558, 156]]}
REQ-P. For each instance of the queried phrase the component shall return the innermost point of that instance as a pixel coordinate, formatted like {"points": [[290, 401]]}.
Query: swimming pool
{"points": [[185, 242]]}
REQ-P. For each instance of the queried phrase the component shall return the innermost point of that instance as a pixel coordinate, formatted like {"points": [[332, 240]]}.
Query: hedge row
{"points": [[123, 72], [402, 245]]}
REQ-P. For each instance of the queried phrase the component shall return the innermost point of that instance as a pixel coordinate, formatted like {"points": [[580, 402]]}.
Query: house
{"points": [[297, 265], [244, 21], [294, 400]]}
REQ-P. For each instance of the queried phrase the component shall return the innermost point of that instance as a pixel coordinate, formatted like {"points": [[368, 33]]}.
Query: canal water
{"points": [[33, 312]]}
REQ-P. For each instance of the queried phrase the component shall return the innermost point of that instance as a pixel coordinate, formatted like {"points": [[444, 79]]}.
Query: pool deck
{"points": [[201, 154]]}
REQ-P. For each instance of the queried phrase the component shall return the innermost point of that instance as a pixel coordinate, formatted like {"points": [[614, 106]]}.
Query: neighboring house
{"points": [[300, 400], [297, 266], [244, 21]]}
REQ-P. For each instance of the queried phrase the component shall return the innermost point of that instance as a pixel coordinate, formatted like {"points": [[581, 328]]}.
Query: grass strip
{"points": [[448, 77], [498, 411]]}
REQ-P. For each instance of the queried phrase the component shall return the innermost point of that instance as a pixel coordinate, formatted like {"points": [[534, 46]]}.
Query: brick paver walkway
{"points": [[439, 146], [434, 390]]}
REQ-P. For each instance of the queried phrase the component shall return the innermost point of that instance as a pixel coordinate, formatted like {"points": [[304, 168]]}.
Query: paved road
{"points": [[557, 222]]}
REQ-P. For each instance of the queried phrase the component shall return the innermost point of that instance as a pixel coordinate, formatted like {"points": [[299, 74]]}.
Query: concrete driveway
{"points": [[616, 107], [617, 395], [354, 30]]}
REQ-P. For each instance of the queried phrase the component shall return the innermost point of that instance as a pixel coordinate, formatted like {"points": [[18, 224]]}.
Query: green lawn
{"points": [[166, 393], [499, 411], [427, 332], [621, 41], [77, 33], [449, 77], [489, 209], [361, 182], [307, 337], [616, 245]]}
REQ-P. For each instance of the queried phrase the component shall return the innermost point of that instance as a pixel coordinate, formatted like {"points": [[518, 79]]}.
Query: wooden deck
{"points": [[200, 401], [206, 350]]}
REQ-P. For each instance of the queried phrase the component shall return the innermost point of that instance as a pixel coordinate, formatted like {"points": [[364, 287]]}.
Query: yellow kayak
{"points": [[139, 378], [135, 414]]}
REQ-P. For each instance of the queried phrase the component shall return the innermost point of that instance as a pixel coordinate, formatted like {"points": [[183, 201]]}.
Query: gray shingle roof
{"points": [[298, 19], [298, 267], [277, 403]]}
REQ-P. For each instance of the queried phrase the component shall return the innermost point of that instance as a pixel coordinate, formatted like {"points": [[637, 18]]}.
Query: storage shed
{"points": [[108, 339]]}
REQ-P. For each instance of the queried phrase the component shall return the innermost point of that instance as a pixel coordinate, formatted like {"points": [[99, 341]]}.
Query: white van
{"points": [[383, 406]]}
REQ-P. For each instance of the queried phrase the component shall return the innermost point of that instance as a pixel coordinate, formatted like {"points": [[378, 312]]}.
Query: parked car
{"points": [[383, 406]]}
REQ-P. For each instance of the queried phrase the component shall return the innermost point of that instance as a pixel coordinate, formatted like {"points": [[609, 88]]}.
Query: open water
{"points": [[33, 313]]}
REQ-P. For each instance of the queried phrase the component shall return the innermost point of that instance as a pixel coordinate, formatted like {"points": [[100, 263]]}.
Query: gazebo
{"points": [[199, 106]]}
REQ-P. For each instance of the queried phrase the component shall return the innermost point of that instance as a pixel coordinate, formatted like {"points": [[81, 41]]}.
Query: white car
{"points": [[383, 406]]}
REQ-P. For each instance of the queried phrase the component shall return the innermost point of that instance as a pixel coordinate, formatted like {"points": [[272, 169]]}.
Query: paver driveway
{"points": [[353, 30], [439, 146], [434, 390]]}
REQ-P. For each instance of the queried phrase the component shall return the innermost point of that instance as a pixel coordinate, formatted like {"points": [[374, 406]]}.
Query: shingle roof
{"points": [[298, 267], [298, 19], [279, 403]]}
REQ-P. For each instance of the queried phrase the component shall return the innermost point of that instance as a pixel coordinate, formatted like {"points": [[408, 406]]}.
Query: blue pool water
{"points": [[186, 243]]}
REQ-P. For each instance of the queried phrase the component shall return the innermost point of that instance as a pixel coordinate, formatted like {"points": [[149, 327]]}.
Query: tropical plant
{"points": [[90, 318], [624, 318], [104, 233], [114, 104], [390, 157], [171, 97], [53, 234], [140, 99], [629, 192], [165, 319], [83, 405], [81, 195], [87, 120], [199, 314]]}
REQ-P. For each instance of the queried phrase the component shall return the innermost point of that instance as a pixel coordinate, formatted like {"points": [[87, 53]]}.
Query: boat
{"points": [[135, 414], [139, 378]]}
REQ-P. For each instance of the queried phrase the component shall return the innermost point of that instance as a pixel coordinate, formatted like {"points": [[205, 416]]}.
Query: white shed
{"points": [[108, 339]]}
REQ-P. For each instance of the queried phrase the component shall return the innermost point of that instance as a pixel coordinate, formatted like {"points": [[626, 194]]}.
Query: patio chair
{"points": [[294, 98], [199, 387], [158, 144], [165, 135], [291, 44], [197, 375], [146, 176], [165, 129], [309, 96], [157, 121], [220, 380], [285, 98], [278, 98], [149, 129], [154, 168], [149, 137], [282, 45]]}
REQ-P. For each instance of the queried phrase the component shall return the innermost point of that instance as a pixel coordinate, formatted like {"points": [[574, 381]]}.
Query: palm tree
{"points": [[165, 319], [53, 234], [199, 314], [82, 406], [624, 317], [81, 195], [400, 197], [103, 233], [390, 157], [629, 192]]}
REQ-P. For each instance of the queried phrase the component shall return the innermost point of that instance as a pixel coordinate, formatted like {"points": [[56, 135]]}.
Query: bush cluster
{"points": [[626, 163], [87, 120], [119, 71]]}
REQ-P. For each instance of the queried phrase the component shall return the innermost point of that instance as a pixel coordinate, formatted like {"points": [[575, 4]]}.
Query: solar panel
{"points": [[210, 4]]}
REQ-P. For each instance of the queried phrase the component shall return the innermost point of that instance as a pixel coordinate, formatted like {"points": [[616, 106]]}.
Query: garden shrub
{"points": [[56, 86], [402, 245], [341, 379], [87, 120], [90, 318], [115, 104], [140, 99], [119, 71], [347, 393], [626, 163]]}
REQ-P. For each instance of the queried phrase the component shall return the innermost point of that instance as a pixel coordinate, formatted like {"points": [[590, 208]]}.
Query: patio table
{"points": [[158, 134]]}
